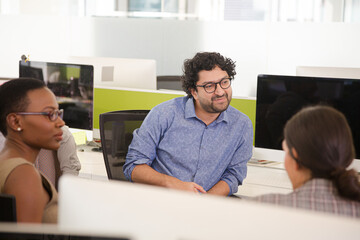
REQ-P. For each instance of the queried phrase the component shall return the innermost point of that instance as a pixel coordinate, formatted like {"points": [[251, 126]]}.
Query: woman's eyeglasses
{"points": [[53, 115]]}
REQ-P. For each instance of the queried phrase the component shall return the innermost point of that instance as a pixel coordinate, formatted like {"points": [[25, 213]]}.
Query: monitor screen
{"points": [[72, 84], [280, 97]]}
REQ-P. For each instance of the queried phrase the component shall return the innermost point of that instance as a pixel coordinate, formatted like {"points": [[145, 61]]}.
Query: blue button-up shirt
{"points": [[174, 141]]}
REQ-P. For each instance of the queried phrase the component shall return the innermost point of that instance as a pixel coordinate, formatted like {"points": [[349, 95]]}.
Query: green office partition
{"points": [[107, 100], [248, 107]]}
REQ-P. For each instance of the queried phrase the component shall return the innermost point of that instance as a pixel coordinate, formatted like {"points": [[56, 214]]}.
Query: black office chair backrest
{"points": [[169, 82], [7, 208], [116, 130]]}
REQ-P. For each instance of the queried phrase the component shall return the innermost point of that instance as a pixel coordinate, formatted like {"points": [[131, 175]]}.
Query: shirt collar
{"points": [[223, 117], [190, 108], [190, 112]]}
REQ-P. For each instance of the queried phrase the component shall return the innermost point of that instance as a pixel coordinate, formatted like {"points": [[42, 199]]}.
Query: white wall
{"points": [[257, 47]]}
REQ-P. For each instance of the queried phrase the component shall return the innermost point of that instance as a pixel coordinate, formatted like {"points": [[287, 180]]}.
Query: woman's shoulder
{"points": [[25, 183], [15, 161], [17, 169], [8, 165]]}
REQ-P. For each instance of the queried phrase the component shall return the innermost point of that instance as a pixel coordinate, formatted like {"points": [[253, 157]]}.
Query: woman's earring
{"points": [[18, 129]]}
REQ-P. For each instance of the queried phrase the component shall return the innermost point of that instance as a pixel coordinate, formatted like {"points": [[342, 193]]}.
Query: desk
{"points": [[259, 180], [264, 180], [92, 163]]}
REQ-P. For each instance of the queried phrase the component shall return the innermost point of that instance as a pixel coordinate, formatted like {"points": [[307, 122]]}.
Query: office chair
{"points": [[169, 82], [7, 208], [116, 130]]}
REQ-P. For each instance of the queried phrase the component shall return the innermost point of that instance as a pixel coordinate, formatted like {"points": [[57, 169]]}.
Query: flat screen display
{"points": [[280, 97], [73, 86]]}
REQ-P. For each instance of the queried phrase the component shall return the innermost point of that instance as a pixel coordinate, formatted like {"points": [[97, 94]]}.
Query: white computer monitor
{"points": [[147, 212], [335, 72], [121, 72]]}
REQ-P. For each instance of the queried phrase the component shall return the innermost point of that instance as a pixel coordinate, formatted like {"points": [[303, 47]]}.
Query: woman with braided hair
{"points": [[318, 151]]}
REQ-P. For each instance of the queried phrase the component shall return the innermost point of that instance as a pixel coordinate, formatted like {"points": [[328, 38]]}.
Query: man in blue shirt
{"points": [[195, 143]]}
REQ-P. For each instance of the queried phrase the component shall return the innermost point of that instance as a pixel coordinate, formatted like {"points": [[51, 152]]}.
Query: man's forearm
{"points": [[145, 174], [220, 188]]}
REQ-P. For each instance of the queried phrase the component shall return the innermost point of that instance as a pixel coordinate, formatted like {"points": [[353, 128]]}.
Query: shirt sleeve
{"points": [[68, 159], [142, 149], [235, 173]]}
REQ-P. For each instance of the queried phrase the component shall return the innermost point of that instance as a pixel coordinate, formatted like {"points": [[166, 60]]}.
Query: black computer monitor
{"points": [[280, 97], [72, 84], [7, 208]]}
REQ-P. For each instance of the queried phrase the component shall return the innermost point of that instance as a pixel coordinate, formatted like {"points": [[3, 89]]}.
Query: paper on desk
{"points": [[262, 163], [80, 137]]}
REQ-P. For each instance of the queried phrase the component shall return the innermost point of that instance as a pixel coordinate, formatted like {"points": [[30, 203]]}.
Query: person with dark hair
{"points": [[196, 143], [29, 120], [318, 151]]}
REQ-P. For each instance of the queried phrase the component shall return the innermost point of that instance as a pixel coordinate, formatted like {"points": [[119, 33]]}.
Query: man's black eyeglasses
{"points": [[53, 115], [225, 83]]}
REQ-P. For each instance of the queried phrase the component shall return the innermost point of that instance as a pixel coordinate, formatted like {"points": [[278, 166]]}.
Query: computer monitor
{"points": [[280, 97], [72, 84], [121, 72], [8, 208], [334, 72], [149, 212]]}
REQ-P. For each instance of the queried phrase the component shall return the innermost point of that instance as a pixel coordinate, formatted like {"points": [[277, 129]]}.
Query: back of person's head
{"points": [[323, 141], [13, 97], [204, 61]]}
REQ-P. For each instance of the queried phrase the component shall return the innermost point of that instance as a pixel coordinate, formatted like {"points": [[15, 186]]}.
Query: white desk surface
{"points": [[259, 180], [264, 180], [92, 163]]}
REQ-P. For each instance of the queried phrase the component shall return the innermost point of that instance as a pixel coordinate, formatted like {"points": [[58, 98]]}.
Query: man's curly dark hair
{"points": [[204, 61]]}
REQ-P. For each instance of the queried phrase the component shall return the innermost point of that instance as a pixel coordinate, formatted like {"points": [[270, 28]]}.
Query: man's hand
{"points": [[186, 186]]}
